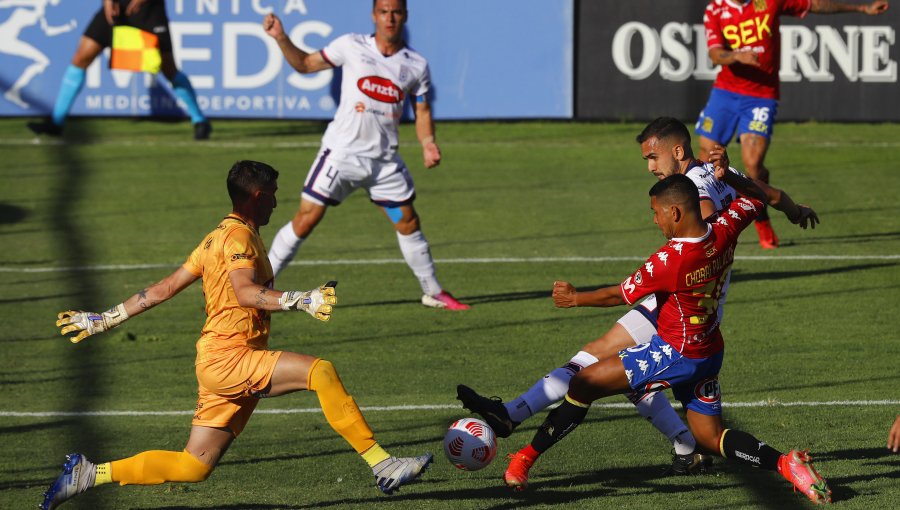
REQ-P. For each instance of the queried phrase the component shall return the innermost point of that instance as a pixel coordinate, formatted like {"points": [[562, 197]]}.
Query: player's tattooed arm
{"points": [[723, 57], [831, 7], [261, 300], [159, 292]]}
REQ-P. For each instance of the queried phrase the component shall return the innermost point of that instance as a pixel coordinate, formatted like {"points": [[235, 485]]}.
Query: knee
{"points": [[321, 375], [193, 470], [407, 227]]}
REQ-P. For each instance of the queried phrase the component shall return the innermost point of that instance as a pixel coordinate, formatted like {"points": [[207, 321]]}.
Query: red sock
{"points": [[529, 452]]}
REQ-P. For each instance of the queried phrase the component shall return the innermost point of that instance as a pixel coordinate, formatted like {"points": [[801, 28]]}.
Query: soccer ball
{"points": [[470, 444]]}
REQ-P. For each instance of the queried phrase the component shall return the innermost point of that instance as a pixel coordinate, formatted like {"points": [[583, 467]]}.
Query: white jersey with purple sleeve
{"points": [[373, 90]]}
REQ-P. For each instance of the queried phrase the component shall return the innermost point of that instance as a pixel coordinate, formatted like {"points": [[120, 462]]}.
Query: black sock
{"points": [[560, 422], [763, 214], [746, 449]]}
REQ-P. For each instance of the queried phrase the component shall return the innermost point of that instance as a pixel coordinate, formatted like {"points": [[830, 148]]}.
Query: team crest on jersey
{"points": [[380, 89], [707, 124], [707, 390], [760, 6], [404, 74]]}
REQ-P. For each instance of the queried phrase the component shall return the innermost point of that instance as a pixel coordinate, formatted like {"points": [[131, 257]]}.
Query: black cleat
{"points": [[689, 464], [491, 409], [45, 127], [202, 130]]}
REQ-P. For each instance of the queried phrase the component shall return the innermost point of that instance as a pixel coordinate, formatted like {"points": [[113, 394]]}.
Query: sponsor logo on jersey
{"points": [[677, 247], [657, 356], [241, 256], [748, 32], [629, 374], [667, 350], [734, 214], [707, 390], [643, 365], [649, 267], [380, 89]]}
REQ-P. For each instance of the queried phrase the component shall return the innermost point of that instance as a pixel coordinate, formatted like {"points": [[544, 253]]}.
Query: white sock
{"points": [[659, 412], [284, 247], [418, 257], [549, 390]]}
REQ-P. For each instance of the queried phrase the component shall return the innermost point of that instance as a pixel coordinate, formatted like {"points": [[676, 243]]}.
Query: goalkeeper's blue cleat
{"points": [[77, 476], [393, 472]]}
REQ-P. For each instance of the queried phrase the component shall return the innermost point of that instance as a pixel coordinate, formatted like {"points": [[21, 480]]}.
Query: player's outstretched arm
{"points": [[300, 60], [894, 436], [566, 296], [78, 324], [431, 153], [831, 7], [316, 302]]}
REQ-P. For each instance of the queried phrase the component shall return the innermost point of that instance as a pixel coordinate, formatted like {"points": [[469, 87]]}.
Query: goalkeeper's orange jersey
{"points": [[232, 245]]}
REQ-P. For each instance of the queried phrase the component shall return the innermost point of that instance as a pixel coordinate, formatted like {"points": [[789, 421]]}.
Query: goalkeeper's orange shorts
{"points": [[231, 385]]}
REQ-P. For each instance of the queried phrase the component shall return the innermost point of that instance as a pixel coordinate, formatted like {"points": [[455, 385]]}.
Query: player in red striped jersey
{"points": [[743, 37], [686, 275]]}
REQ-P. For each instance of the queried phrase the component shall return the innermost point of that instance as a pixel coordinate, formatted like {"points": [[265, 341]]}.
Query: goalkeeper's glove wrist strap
{"points": [[115, 316]]}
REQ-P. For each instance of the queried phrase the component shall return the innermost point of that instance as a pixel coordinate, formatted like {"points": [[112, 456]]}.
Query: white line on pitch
{"points": [[432, 407], [486, 260]]}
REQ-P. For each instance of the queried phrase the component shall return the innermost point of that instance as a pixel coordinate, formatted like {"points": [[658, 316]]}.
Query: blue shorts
{"points": [[656, 365], [727, 112]]}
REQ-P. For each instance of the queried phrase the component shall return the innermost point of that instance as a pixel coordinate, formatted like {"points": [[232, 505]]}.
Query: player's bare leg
{"points": [[795, 466], [289, 238], [417, 254], [753, 154]]}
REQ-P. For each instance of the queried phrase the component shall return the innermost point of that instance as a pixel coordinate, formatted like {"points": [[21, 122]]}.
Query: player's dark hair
{"points": [[664, 128], [247, 176], [677, 189], [374, 2]]}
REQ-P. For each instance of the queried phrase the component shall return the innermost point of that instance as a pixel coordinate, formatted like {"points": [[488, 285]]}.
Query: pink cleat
{"points": [[795, 466], [443, 300]]}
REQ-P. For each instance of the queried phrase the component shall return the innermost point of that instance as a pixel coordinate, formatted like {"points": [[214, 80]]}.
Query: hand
{"points": [[432, 154], [111, 10], [316, 302], [877, 7], [86, 324], [894, 436], [750, 58], [134, 7], [272, 26], [718, 156], [564, 295], [807, 217]]}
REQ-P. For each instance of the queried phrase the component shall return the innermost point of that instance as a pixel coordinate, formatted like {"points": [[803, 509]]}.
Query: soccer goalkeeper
{"points": [[234, 367]]}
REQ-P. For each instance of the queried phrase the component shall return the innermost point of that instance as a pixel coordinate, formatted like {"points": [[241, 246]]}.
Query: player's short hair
{"points": [[374, 2], [247, 176], [677, 189], [665, 128]]}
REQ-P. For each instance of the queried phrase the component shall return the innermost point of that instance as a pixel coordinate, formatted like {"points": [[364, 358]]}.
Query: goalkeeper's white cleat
{"points": [[393, 472], [77, 476]]}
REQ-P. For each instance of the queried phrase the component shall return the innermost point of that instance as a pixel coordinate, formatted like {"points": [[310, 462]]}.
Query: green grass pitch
{"points": [[118, 205]]}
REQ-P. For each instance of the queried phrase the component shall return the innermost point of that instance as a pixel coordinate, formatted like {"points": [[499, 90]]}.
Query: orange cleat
{"points": [[767, 238], [516, 475], [796, 468]]}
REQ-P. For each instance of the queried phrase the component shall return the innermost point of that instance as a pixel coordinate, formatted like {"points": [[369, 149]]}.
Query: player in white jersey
{"points": [[666, 145], [359, 148]]}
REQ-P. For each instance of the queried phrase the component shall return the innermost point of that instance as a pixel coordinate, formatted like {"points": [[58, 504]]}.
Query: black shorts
{"points": [[150, 18]]}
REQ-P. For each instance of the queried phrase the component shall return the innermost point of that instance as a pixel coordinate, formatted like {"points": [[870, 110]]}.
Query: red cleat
{"points": [[516, 475], [767, 238], [443, 300], [796, 468]]}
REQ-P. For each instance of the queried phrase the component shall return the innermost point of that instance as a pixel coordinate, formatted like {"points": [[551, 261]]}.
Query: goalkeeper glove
{"points": [[86, 324], [316, 302]]}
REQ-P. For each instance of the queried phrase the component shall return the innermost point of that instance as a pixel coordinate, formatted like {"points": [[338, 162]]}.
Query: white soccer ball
{"points": [[470, 444]]}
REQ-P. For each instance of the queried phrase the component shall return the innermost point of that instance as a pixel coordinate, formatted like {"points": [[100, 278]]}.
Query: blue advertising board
{"points": [[488, 59]]}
